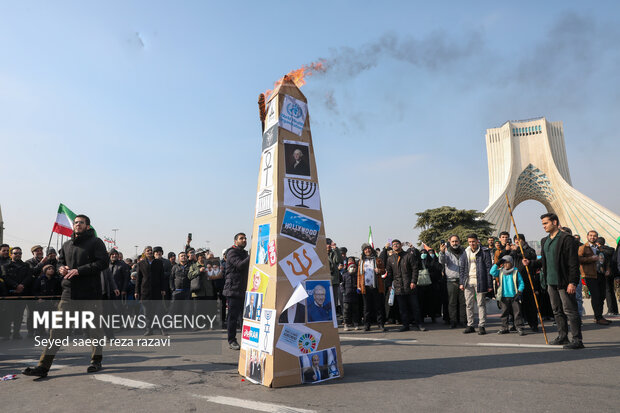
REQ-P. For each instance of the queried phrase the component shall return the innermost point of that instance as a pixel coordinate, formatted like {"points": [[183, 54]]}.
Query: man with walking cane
{"points": [[526, 263], [529, 303]]}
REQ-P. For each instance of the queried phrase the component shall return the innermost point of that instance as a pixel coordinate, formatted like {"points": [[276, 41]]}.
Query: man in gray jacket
{"points": [[477, 283], [454, 261]]}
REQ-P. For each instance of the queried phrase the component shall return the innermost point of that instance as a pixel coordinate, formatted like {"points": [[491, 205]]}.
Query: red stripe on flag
{"points": [[62, 230]]}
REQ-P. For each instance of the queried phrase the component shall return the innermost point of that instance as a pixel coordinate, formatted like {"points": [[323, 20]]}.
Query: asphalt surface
{"points": [[437, 370]]}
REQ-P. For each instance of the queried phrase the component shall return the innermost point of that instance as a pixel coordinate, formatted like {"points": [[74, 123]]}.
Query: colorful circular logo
{"points": [[307, 343]]}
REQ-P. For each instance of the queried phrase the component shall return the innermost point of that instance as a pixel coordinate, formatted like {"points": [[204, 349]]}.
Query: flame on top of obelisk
{"points": [[297, 77]]}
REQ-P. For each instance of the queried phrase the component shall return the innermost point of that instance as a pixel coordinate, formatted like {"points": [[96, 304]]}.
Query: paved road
{"points": [[437, 370]]}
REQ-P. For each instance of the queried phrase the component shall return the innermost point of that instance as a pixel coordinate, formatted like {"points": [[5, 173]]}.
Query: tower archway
{"points": [[527, 161]]}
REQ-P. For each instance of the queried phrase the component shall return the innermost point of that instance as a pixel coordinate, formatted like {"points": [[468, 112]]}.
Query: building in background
{"points": [[527, 160]]}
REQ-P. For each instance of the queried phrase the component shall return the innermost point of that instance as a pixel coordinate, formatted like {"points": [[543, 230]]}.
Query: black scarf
{"points": [[456, 251]]}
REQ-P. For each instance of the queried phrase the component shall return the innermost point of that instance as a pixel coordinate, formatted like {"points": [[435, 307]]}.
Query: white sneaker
{"points": [[346, 328]]}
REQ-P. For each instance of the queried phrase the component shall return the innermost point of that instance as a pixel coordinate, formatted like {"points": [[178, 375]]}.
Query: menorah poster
{"points": [[303, 194], [289, 256]]}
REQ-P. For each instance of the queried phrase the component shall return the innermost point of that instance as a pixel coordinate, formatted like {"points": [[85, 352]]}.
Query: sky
{"points": [[143, 114]]}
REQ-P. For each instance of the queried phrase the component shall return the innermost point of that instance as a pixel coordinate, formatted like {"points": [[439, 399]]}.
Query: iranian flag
{"points": [[370, 237], [64, 221]]}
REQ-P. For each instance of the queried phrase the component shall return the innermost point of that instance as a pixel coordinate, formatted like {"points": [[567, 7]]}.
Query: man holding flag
{"points": [[81, 260]]}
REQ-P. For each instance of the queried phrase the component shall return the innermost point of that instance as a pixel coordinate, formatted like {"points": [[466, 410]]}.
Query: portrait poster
{"points": [[262, 244], [319, 304], [255, 366], [258, 281], [253, 306], [294, 314], [319, 366], [297, 159], [300, 227]]}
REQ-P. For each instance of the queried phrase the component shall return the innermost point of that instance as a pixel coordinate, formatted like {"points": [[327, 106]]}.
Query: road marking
{"points": [[520, 345], [252, 405], [124, 382], [397, 341]]}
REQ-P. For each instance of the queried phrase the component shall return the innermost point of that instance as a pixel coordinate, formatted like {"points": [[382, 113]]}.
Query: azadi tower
{"points": [[527, 160]]}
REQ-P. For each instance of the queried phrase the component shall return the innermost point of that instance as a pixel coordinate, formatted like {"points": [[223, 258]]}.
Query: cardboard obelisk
{"points": [[289, 334]]}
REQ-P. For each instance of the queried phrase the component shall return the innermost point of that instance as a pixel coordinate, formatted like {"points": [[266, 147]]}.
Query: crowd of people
{"points": [[383, 286], [36, 284], [407, 287]]}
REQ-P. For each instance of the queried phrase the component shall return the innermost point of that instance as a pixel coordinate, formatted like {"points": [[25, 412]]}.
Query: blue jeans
{"points": [[579, 295]]}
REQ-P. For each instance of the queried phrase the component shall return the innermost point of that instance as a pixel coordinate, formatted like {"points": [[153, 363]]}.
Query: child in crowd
{"points": [[509, 292]]}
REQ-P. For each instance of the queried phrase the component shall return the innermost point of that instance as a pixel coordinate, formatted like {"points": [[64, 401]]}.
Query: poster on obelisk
{"points": [[289, 333]]}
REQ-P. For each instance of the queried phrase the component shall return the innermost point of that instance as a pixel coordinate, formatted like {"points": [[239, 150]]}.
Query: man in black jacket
{"points": [[150, 288], [180, 284], [529, 303], [81, 260], [36, 264], [237, 265], [158, 252], [402, 267], [560, 265], [119, 271], [18, 278]]}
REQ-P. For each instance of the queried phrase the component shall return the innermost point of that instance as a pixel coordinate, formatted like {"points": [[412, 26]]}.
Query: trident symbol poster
{"points": [[300, 264]]}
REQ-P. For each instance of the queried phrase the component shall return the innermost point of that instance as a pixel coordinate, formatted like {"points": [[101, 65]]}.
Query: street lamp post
{"points": [[114, 230]]}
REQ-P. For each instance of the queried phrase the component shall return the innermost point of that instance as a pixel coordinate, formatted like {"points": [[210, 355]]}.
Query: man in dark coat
{"points": [[158, 252], [529, 303], [119, 272], [81, 260], [150, 288], [180, 285], [608, 272], [560, 266], [18, 278], [402, 267], [48, 284], [237, 265], [36, 264]]}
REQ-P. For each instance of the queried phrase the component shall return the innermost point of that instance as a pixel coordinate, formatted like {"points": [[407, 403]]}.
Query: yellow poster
{"points": [[258, 281]]}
